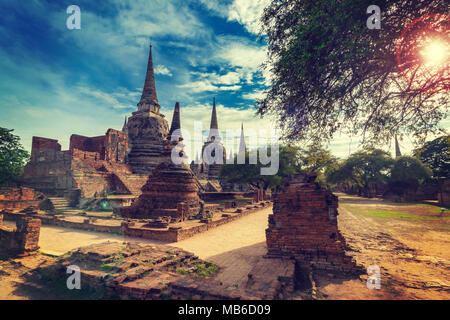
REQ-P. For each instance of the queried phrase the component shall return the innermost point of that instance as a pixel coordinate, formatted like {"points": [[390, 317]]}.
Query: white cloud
{"points": [[259, 94], [229, 78], [206, 86], [160, 69], [248, 13], [245, 12], [240, 52], [239, 58]]}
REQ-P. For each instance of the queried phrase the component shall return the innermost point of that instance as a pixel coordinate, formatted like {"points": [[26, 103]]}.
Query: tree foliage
{"points": [[12, 155], [331, 73], [315, 158], [251, 173], [409, 168], [436, 155], [362, 169], [407, 174]]}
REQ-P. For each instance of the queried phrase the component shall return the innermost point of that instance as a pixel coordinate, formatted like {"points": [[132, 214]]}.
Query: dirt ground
{"points": [[412, 252], [410, 244]]}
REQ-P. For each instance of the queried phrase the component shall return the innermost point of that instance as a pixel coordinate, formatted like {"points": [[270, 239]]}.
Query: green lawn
{"points": [[419, 212], [401, 215]]}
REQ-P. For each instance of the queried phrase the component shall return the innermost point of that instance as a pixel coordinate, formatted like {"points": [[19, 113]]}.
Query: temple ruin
{"points": [[304, 227], [171, 191], [120, 161]]}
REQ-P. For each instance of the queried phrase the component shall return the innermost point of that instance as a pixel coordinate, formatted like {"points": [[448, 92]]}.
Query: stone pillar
{"points": [[180, 210], [202, 208], [29, 229], [303, 226]]}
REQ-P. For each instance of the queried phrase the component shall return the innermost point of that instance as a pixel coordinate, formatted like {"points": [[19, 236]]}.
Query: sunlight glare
{"points": [[435, 53]]}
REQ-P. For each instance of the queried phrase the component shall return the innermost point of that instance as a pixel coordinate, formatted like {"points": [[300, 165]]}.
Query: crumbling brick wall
{"points": [[304, 226], [95, 145], [116, 146], [19, 198], [22, 240], [44, 148]]}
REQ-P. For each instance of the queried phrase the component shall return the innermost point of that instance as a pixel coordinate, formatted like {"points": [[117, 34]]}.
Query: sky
{"points": [[55, 82]]}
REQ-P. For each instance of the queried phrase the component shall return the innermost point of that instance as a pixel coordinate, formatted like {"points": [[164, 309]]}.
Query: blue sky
{"points": [[55, 81]]}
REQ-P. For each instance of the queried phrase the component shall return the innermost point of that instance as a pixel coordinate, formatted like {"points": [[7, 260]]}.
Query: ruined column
{"points": [[304, 226]]}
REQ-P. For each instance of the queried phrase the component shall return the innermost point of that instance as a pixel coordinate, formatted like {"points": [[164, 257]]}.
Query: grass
{"points": [[204, 270], [181, 271], [410, 215], [200, 270], [401, 215], [107, 268]]}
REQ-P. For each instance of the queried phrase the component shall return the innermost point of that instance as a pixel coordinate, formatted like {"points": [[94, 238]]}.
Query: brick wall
{"points": [[304, 226], [89, 144], [19, 198], [44, 148], [22, 240], [116, 146]]}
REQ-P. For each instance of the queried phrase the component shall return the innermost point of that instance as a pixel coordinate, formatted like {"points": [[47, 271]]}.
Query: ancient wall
{"points": [[116, 146], [49, 168], [95, 145], [304, 226], [94, 165], [22, 240], [43, 148], [19, 198]]}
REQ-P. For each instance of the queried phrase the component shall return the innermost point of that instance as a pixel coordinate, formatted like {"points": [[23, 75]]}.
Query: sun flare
{"points": [[435, 53]]}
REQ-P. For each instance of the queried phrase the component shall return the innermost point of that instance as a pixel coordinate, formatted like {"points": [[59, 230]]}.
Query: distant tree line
{"points": [[360, 173]]}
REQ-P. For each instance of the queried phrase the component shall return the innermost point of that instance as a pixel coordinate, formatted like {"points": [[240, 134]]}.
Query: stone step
{"points": [[60, 203]]}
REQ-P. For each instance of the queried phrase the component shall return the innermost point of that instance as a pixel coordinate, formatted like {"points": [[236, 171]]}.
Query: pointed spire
{"points": [[197, 160], [176, 123], [397, 148], [149, 100], [214, 116], [125, 125], [242, 146]]}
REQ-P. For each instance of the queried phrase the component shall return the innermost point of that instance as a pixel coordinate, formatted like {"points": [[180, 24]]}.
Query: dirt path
{"points": [[234, 247], [414, 256]]}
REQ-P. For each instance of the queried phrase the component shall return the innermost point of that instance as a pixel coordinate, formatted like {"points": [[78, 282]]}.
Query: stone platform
{"points": [[132, 270], [99, 222]]}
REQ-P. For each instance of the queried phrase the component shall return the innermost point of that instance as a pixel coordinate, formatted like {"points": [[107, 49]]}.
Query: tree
{"points": [[12, 155], [315, 158], [330, 73], [251, 173], [407, 174], [436, 155], [362, 170]]}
